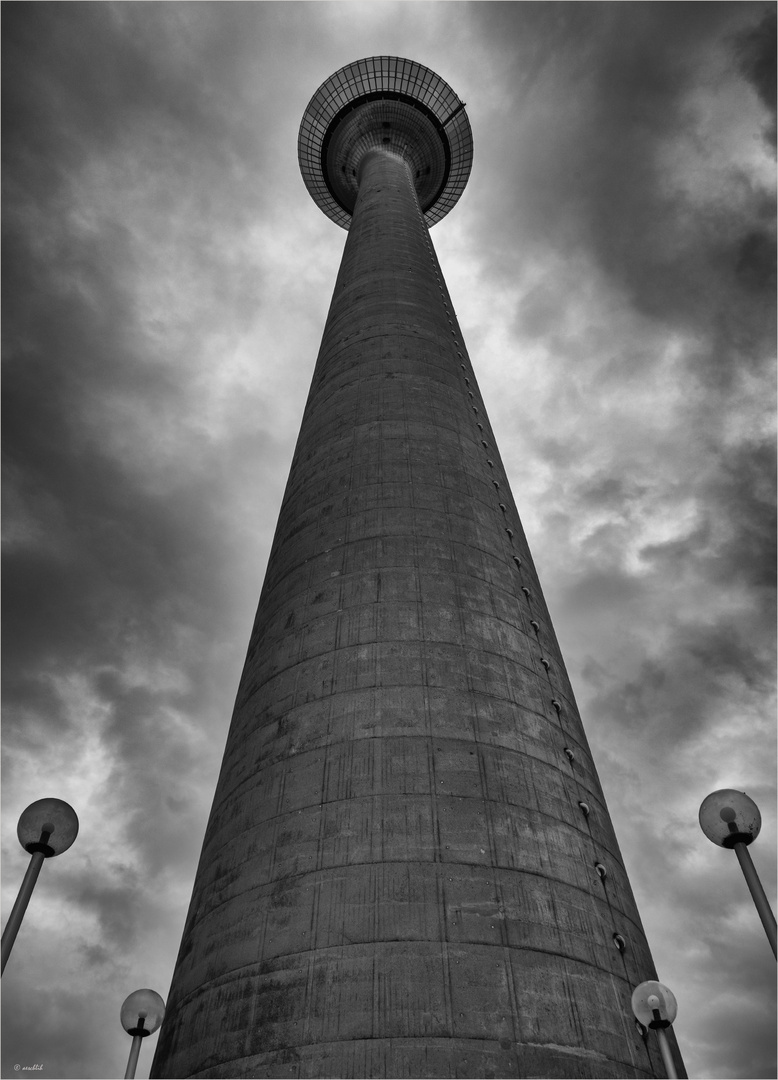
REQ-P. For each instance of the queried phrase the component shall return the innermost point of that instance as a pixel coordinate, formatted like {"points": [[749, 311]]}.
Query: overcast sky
{"points": [[166, 280]]}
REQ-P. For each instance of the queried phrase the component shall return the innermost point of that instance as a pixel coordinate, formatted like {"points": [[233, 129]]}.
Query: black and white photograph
{"points": [[389, 626]]}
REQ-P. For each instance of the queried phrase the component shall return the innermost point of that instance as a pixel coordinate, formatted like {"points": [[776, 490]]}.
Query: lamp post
{"points": [[141, 1014], [732, 820], [655, 1007], [46, 828]]}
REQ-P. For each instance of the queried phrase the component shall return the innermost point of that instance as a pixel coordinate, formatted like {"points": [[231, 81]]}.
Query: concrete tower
{"points": [[409, 869]]}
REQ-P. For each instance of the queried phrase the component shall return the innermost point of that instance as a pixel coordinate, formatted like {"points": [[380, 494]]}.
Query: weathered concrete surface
{"points": [[397, 878]]}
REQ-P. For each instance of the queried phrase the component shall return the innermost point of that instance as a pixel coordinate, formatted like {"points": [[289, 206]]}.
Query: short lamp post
{"points": [[655, 1007], [142, 1013], [46, 828], [732, 820]]}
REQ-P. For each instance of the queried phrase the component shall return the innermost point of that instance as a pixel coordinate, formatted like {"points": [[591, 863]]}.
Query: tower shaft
{"points": [[398, 878]]}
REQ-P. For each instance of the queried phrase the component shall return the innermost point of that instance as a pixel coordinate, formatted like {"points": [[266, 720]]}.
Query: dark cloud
{"points": [[755, 262], [756, 56], [737, 540], [677, 693], [113, 895], [611, 174]]}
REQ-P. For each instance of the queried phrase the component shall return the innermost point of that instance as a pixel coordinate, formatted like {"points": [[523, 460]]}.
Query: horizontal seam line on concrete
{"points": [[509, 599], [477, 742], [410, 641], [449, 417], [600, 848], [224, 979], [324, 451], [472, 650], [588, 893], [482, 496], [390, 685], [346, 514], [425, 738], [499, 557], [635, 1069], [419, 1038], [447, 941], [282, 608], [574, 737]]}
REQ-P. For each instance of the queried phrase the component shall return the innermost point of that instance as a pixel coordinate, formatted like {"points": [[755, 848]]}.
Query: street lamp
{"points": [[46, 828], [655, 1007], [142, 1013], [732, 820]]}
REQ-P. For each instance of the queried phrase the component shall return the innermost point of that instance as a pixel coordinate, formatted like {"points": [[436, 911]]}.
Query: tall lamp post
{"points": [[655, 1007], [46, 828], [732, 820], [141, 1014]]}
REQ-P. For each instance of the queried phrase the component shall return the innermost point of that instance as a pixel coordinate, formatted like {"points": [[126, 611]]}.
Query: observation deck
{"points": [[391, 103]]}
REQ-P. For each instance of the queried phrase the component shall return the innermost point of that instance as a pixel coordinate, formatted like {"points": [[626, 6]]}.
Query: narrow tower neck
{"points": [[388, 194], [378, 158], [388, 263]]}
